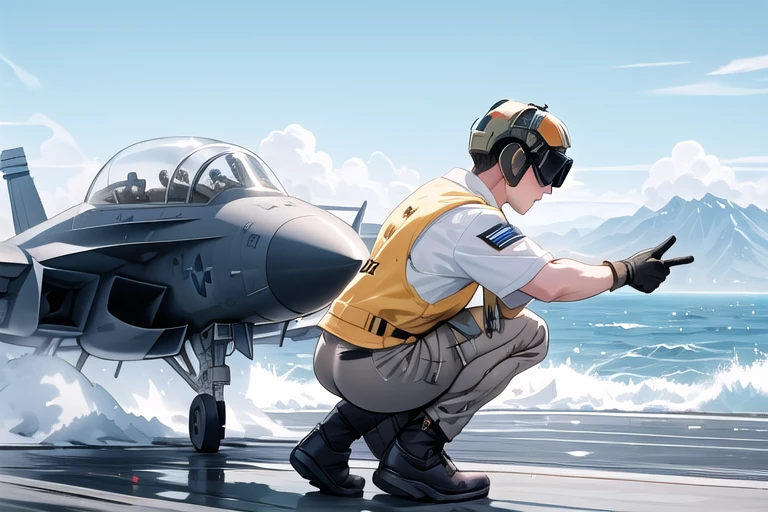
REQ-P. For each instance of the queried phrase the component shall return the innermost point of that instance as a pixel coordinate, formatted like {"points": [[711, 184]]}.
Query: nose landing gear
{"points": [[207, 414], [206, 426]]}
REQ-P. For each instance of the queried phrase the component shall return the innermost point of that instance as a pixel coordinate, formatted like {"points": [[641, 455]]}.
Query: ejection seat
{"points": [[134, 190]]}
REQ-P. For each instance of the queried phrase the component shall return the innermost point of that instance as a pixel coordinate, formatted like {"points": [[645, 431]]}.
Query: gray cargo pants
{"points": [[447, 374]]}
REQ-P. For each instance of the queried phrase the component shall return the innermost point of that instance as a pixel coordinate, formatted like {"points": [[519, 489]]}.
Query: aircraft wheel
{"points": [[204, 424], [222, 409]]}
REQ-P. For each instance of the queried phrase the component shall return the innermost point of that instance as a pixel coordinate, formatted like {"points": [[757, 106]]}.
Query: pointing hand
{"points": [[645, 271]]}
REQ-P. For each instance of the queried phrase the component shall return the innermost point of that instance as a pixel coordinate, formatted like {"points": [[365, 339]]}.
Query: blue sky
{"points": [[405, 79]]}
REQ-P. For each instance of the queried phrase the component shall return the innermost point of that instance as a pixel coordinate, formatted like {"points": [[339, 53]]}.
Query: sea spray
{"points": [[734, 389]]}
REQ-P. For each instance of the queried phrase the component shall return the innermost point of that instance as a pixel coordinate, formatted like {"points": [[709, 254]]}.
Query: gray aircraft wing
{"points": [[357, 223], [301, 329]]}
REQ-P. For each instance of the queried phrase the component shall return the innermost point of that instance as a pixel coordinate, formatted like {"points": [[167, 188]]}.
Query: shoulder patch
{"points": [[501, 235]]}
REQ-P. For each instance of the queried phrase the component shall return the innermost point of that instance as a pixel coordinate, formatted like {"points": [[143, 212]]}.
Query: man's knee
{"points": [[541, 337], [537, 332]]}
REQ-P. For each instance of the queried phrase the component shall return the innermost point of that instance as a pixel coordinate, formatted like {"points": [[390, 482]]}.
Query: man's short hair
{"points": [[484, 161]]}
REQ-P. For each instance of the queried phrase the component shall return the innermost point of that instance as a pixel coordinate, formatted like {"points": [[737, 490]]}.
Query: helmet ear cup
{"points": [[513, 162]]}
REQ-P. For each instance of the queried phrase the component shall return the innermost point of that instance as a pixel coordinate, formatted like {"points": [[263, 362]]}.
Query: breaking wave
{"points": [[44, 399], [736, 389]]}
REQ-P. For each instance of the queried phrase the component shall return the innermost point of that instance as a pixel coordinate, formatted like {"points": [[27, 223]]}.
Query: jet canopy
{"points": [[180, 170]]}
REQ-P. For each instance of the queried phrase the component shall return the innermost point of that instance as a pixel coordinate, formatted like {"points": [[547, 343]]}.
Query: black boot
{"points": [[384, 434], [415, 466], [322, 457]]}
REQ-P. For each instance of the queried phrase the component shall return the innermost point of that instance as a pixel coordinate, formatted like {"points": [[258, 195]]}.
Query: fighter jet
{"points": [[181, 244]]}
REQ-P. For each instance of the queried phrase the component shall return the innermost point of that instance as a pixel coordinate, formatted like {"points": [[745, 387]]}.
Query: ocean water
{"points": [[621, 351]]}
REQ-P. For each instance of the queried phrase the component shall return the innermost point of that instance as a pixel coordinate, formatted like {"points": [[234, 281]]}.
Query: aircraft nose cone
{"points": [[310, 261]]}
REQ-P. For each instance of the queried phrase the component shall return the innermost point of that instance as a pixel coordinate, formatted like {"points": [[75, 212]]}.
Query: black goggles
{"points": [[550, 166]]}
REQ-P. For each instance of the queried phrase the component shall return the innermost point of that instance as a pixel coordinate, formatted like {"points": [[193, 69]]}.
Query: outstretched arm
{"points": [[565, 280], [502, 260]]}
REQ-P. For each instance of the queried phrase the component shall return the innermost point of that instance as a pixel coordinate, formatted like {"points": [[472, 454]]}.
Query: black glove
{"points": [[645, 271]]}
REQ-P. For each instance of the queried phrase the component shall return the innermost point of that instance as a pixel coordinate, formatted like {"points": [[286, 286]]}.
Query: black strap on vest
{"points": [[378, 326]]}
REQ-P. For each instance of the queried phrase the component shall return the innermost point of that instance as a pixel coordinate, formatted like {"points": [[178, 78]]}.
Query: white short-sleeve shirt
{"points": [[472, 244]]}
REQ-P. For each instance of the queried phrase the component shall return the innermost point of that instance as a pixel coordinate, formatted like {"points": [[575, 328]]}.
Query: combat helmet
{"points": [[534, 137]]}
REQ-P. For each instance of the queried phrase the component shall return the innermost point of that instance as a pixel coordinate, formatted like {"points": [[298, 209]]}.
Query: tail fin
{"points": [[357, 224], [26, 207]]}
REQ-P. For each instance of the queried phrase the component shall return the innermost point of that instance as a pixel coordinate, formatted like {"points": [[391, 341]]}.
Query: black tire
{"points": [[222, 408], [204, 425]]}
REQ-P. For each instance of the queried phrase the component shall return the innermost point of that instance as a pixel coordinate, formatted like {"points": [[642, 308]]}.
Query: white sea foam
{"points": [[623, 325], [735, 389], [45, 399]]}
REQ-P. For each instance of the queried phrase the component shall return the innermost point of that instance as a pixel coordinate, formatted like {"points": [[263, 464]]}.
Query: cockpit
{"points": [[180, 170]]}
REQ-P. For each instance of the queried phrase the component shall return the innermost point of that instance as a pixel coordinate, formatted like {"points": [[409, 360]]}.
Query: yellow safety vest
{"points": [[379, 308]]}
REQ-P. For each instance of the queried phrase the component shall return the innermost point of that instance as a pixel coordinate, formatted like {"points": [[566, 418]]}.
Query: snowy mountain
{"points": [[729, 242], [581, 224]]}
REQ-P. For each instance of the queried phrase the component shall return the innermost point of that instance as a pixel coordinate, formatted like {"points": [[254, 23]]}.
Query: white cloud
{"points": [[27, 79], [613, 168], [63, 173], [691, 173], [653, 64], [575, 199], [73, 171], [574, 191], [747, 160], [751, 163], [311, 175], [646, 167], [744, 65], [708, 89]]}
